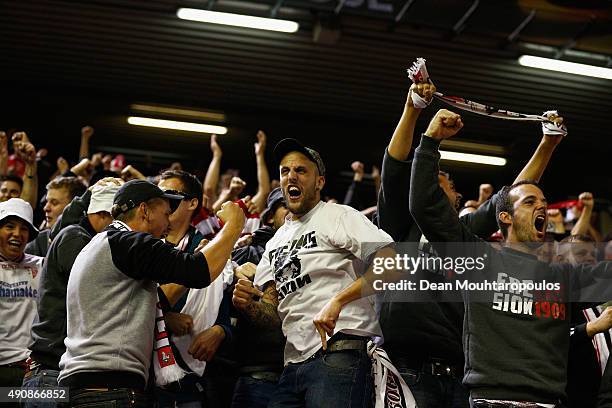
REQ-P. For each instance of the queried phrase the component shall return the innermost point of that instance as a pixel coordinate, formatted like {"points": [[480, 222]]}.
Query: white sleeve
{"points": [[264, 272], [359, 235]]}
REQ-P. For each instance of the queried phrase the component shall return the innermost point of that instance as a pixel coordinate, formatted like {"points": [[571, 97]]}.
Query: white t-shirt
{"points": [[312, 259], [19, 296]]}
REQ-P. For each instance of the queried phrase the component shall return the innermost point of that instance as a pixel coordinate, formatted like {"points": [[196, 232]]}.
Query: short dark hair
{"points": [[191, 186], [74, 186], [505, 203], [577, 238], [13, 178]]}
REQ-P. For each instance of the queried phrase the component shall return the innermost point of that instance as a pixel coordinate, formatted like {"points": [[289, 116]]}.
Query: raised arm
{"points": [[27, 152], [429, 204], [211, 180], [583, 226], [263, 177], [534, 169], [3, 153], [86, 133], [395, 178], [401, 141]]}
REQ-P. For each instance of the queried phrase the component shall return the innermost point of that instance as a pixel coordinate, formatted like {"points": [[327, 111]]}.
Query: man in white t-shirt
{"points": [[310, 280], [19, 281]]}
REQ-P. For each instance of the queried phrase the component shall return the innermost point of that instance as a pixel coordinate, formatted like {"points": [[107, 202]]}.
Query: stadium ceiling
{"points": [[346, 63]]}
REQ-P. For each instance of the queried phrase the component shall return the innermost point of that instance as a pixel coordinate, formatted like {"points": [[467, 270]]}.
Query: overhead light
{"points": [[176, 125], [565, 66], [476, 147], [472, 158], [238, 20], [170, 110]]}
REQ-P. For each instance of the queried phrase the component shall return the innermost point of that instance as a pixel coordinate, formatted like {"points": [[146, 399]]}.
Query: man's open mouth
{"points": [[540, 225], [294, 192]]}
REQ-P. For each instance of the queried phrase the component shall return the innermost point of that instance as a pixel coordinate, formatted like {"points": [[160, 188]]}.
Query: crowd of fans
{"points": [[167, 290]]}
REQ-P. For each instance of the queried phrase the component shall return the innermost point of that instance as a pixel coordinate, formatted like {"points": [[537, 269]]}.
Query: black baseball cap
{"points": [[134, 192], [289, 145], [274, 198]]}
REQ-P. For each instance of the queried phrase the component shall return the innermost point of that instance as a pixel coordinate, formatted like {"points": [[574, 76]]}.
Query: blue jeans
{"points": [[252, 393], [340, 379], [113, 398], [435, 391], [42, 378], [187, 393]]}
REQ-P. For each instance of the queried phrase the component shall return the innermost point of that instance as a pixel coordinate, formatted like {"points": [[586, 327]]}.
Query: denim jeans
{"points": [[42, 378], [252, 393], [435, 391], [186, 393], [340, 379], [114, 398]]}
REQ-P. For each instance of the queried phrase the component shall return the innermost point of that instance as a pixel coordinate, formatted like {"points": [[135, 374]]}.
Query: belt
{"points": [[19, 364], [432, 366], [345, 342]]}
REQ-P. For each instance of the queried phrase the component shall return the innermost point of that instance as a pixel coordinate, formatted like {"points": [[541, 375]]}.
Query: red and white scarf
{"points": [[418, 74]]}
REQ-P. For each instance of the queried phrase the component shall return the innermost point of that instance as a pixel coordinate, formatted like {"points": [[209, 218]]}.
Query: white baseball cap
{"points": [[16, 207], [102, 198]]}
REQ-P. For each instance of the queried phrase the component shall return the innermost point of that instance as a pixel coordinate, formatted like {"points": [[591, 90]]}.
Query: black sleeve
{"points": [[429, 204], [393, 200], [354, 195], [72, 214], [483, 221], [141, 256], [590, 283], [604, 399], [70, 247]]}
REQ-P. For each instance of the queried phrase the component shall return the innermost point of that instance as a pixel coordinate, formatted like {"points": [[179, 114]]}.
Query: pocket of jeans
{"points": [[411, 377], [345, 359]]}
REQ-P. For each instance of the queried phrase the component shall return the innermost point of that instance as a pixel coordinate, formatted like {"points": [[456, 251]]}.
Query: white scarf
{"points": [[203, 306], [418, 74], [390, 389]]}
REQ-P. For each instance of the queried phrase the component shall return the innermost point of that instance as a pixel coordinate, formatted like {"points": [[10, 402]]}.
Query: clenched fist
{"points": [[444, 124], [586, 199], [231, 212]]}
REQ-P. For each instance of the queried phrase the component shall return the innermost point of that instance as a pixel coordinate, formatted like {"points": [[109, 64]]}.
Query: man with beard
{"points": [[515, 352], [333, 244], [430, 359]]}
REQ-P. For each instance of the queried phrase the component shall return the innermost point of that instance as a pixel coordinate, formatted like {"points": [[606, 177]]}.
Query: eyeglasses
{"points": [[186, 196]]}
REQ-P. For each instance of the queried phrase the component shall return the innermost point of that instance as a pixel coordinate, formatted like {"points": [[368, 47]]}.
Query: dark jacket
{"points": [[434, 328], [511, 354], [50, 331]]}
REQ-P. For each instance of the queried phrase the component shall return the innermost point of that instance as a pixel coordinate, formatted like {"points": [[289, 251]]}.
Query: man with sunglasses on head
{"points": [[112, 294], [185, 237]]}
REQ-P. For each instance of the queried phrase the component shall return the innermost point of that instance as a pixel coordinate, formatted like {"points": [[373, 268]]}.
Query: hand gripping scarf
{"points": [[418, 74]]}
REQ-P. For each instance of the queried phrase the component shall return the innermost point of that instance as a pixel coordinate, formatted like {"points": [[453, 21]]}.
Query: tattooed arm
{"points": [[263, 312]]}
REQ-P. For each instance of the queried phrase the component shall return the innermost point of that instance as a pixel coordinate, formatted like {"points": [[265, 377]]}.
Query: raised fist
{"points": [[62, 165], [87, 132], [214, 146], [357, 167], [586, 199], [444, 124], [424, 90], [260, 146], [236, 186], [231, 212]]}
